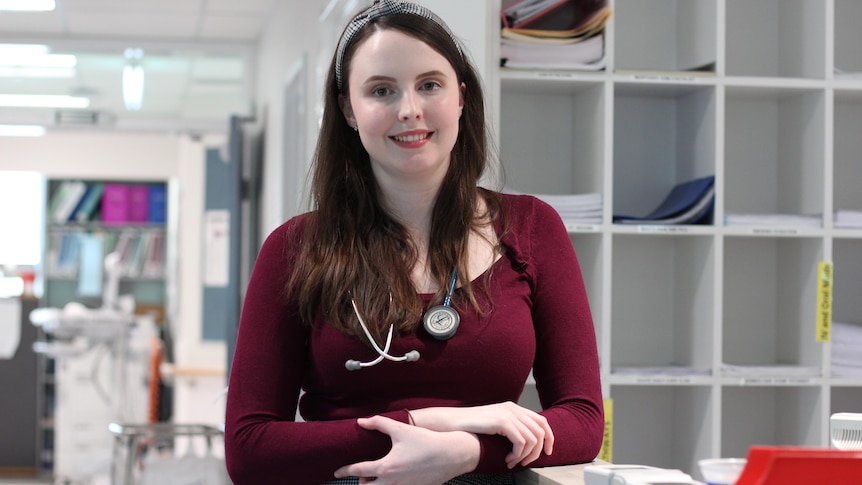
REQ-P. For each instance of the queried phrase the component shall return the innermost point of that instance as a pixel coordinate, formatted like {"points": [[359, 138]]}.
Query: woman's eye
{"points": [[430, 85], [381, 91]]}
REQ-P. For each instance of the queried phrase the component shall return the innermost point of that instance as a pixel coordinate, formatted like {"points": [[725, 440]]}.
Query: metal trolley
{"points": [[149, 453]]}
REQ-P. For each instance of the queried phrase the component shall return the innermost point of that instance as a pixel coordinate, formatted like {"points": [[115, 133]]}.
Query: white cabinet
{"points": [[756, 93]]}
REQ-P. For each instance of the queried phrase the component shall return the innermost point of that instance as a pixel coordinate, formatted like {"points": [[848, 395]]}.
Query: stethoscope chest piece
{"points": [[441, 322]]}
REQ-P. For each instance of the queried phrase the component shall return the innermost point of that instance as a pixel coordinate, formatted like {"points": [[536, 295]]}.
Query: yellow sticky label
{"points": [[824, 301], [607, 451]]}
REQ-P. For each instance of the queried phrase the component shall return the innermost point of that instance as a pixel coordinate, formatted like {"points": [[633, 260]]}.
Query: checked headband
{"points": [[381, 8]]}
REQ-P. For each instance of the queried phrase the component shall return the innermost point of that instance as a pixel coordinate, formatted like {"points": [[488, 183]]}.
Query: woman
{"points": [[336, 305]]}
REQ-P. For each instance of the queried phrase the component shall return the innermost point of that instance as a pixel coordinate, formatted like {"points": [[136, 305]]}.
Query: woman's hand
{"points": [[418, 456], [528, 431]]}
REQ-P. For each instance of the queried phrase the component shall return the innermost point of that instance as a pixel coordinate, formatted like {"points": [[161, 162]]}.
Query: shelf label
{"points": [[770, 381], [571, 227], [607, 451], [775, 232], [824, 301], [655, 228], [555, 74], [663, 380], [666, 77]]}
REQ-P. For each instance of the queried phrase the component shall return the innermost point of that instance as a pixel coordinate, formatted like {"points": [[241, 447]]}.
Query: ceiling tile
{"points": [[123, 26], [255, 6], [219, 69], [129, 5], [36, 23], [231, 27]]}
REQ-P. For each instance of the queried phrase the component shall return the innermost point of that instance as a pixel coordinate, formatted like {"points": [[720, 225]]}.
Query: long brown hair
{"points": [[351, 247]]}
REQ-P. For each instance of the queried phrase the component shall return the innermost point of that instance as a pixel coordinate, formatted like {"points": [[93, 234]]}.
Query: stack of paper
{"points": [[687, 203], [846, 349], [847, 218], [852, 75], [554, 34], [792, 220], [578, 209]]}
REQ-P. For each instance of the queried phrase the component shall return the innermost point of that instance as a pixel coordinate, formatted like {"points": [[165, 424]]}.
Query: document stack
{"points": [[554, 34], [687, 203], [847, 219], [576, 209], [846, 349]]}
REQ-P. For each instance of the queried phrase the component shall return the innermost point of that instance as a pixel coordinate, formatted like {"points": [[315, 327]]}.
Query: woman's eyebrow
{"points": [[379, 78]]}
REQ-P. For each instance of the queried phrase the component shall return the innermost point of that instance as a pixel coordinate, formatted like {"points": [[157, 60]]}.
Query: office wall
{"points": [[290, 39]]}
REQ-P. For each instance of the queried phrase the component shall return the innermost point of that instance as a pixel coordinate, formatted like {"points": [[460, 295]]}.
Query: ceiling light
{"points": [[45, 72], [42, 101], [27, 5], [133, 87], [22, 130], [43, 60], [23, 49], [133, 80]]}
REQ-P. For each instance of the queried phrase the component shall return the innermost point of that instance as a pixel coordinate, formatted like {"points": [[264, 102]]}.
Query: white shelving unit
{"points": [[744, 90]]}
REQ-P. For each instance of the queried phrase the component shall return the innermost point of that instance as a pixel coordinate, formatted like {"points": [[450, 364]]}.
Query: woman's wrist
{"points": [[435, 419], [466, 450]]}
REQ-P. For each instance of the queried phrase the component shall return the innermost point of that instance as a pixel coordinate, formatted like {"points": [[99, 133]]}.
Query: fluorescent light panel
{"points": [[43, 101], [27, 5], [43, 60], [23, 49], [22, 130], [133, 87], [45, 72]]}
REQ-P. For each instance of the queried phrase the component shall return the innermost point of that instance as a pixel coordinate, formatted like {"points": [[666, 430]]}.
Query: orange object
{"points": [[789, 465], [155, 380]]}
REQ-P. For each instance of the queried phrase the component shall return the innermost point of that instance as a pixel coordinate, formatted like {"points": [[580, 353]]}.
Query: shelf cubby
{"points": [[563, 155], [662, 300], [769, 305], [776, 38], [848, 36], [847, 271], [846, 399], [771, 416], [664, 134], [847, 149], [774, 150], [665, 426], [665, 35]]}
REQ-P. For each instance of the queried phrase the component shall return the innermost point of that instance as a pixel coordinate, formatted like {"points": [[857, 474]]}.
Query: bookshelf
{"points": [[130, 218], [132, 225], [766, 113]]}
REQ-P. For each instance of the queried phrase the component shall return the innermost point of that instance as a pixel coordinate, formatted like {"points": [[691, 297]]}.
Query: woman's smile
{"points": [[412, 139]]}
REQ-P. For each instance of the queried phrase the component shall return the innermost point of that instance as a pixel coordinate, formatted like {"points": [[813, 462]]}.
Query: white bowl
{"points": [[721, 471]]}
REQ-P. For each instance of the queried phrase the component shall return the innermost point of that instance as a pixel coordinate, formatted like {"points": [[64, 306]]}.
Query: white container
{"points": [[721, 471]]}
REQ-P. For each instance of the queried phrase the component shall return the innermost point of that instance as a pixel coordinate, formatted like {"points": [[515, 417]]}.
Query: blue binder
{"points": [[687, 203]]}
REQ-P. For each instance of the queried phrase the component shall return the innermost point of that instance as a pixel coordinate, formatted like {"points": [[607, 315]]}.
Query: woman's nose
{"points": [[409, 107]]}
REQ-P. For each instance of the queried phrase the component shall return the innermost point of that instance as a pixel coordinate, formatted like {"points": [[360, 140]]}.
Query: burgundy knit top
{"points": [[540, 320]]}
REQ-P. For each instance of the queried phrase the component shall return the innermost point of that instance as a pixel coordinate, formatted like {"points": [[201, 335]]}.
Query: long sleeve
{"points": [[263, 443], [566, 366]]}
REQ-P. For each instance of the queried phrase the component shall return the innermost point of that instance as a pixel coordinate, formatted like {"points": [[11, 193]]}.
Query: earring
{"points": [[355, 128]]}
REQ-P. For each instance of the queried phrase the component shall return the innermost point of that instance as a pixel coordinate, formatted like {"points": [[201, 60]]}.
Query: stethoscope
{"points": [[440, 321]]}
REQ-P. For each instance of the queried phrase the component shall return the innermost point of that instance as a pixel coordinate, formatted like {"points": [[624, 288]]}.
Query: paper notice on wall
{"points": [[216, 248]]}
